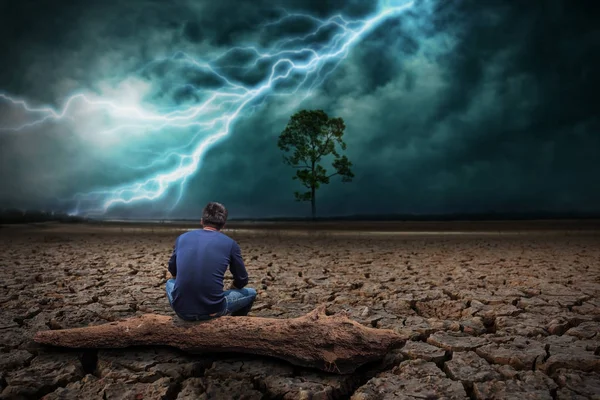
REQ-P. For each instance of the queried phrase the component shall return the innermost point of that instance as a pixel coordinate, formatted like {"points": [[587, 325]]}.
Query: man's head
{"points": [[214, 215]]}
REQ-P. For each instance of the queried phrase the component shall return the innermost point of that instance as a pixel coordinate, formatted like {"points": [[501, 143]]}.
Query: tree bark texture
{"points": [[330, 343]]}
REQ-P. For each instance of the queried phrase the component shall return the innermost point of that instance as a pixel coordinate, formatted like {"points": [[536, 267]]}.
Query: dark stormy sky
{"points": [[450, 106]]}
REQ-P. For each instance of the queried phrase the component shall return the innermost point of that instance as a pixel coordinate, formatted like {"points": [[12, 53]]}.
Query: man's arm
{"points": [[173, 261], [237, 267]]}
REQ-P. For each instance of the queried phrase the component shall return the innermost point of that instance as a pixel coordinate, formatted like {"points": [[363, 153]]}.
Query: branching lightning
{"points": [[293, 66]]}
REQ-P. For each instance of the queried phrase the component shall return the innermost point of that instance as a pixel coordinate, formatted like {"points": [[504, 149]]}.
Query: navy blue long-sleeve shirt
{"points": [[198, 263]]}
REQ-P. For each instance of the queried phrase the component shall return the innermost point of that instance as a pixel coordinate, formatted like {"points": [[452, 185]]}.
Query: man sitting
{"points": [[198, 265]]}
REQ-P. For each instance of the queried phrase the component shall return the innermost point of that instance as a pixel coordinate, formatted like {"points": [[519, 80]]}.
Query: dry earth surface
{"points": [[494, 314]]}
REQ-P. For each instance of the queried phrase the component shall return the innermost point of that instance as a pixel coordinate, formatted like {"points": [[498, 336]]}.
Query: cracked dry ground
{"points": [[485, 316]]}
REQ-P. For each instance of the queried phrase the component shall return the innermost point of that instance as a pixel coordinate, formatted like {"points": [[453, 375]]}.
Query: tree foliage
{"points": [[308, 138]]}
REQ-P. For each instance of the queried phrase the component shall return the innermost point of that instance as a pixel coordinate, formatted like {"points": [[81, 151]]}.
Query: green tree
{"points": [[310, 136]]}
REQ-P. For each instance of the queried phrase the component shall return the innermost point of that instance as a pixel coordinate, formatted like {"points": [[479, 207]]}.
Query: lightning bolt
{"points": [[292, 66]]}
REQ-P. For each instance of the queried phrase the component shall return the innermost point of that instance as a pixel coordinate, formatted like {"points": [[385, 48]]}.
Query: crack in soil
{"points": [[89, 361]]}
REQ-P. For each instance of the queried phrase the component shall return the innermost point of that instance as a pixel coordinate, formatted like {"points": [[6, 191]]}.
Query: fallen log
{"points": [[330, 343]]}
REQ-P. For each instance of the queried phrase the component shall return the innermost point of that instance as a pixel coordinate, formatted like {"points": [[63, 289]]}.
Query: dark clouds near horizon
{"points": [[455, 106]]}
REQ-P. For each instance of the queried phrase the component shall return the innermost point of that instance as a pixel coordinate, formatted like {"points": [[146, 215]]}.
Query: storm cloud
{"points": [[453, 106]]}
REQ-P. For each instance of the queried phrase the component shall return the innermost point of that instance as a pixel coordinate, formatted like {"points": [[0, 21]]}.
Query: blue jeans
{"points": [[238, 303]]}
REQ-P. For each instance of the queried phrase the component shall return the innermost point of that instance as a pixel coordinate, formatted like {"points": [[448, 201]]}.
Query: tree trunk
{"points": [[330, 343], [313, 190], [313, 203]]}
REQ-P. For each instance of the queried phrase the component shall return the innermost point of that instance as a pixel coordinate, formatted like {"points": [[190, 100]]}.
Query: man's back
{"points": [[199, 262]]}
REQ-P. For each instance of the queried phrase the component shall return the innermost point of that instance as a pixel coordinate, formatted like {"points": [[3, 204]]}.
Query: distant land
{"points": [[11, 216]]}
